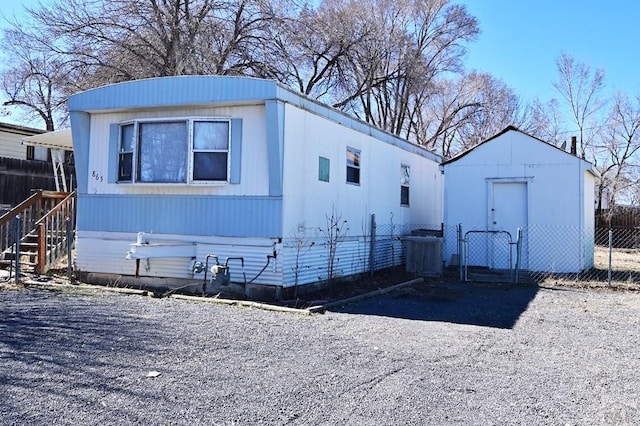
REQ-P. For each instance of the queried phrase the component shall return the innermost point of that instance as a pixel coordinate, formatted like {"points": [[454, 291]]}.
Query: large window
{"points": [[353, 165], [404, 185], [174, 151]]}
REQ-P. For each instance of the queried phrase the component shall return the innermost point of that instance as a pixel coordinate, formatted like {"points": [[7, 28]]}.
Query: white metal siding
{"points": [[589, 219], [11, 147], [352, 257], [308, 201], [105, 253]]}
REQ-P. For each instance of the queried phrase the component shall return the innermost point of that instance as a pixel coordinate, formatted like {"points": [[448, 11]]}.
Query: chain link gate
{"points": [[489, 255]]}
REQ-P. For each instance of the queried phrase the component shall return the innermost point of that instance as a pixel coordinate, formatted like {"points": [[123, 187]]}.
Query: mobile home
{"points": [[173, 171]]}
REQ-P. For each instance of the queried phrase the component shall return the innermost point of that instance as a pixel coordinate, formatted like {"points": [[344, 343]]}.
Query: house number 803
{"points": [[97, 176]]}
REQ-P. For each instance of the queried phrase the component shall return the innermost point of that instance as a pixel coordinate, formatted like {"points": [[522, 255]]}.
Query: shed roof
{"points": [[512, 128]]}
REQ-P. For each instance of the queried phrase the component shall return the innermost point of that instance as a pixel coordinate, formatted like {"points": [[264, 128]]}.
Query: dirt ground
{"points": [[433, 353]]}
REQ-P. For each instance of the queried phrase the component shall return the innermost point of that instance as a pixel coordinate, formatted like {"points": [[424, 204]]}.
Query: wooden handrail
{"points": [[34, 198], [37, 196], [58, 206], [51, 232], [55, 194]]}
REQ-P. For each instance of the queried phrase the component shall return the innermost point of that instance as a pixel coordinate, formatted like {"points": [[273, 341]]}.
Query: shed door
{"points": [[509, 208]]}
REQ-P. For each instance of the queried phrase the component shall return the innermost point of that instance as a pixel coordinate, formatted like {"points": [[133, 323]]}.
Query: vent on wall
{"points": [[424, 255]]}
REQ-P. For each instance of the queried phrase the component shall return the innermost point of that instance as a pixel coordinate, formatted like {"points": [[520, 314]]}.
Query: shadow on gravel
{"points": [[497, 306]]}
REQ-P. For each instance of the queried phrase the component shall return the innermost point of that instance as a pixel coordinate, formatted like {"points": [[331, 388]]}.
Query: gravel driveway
{"points": [[454, 354]]}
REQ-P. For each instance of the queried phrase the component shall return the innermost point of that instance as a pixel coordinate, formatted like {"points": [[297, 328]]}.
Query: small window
{"points": [[38, 153], [353, 166], [210, 150], [404, 185], [127, 140], [323, 169]]}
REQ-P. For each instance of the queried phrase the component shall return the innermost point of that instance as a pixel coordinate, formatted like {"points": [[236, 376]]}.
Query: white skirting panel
{"points": [[106, 253], [351, 257]]}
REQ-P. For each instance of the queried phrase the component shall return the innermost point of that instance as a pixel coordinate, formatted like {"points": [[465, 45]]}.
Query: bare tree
{"points": [[469, 110], [333, 235], [129, 39], [618, 154], [499, 106], [381, 60], [78, 44], [580, 88], [452, 105], [546, 121], [34, 81], [391, 70], [313, 47]]}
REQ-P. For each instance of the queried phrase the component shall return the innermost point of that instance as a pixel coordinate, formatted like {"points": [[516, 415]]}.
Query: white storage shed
{"points": [[515, 180]]}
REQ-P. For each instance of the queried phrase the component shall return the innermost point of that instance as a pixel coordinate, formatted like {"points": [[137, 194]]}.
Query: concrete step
{"points": [[485, 275]]}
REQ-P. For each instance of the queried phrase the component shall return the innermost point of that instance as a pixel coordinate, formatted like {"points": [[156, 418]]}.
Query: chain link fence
{"points": [[546, 254], [324, 256]]}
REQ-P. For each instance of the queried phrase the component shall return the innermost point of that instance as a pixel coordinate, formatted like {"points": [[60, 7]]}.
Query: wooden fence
{"points": [[621, 217], [625, 224], [19, 178]]}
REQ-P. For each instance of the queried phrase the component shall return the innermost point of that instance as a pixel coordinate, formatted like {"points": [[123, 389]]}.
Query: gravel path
{"points": [[452, 355]]}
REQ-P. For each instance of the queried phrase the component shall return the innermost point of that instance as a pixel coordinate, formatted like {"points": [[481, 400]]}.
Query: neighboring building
{"points": [[235, 167], [514, 180], [25, 168], [11, 145]]}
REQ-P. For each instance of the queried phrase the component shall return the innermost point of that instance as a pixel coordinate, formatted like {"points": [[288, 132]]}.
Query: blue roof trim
{"points": [[172, 92], [80, 132], [203, 90], [275, 145]]}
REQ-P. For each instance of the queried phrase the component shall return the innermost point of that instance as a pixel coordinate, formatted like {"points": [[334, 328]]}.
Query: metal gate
{"points": [[490, 250]]}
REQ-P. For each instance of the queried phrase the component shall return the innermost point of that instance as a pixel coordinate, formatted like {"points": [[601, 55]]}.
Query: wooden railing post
{"points": [[42, 249]]}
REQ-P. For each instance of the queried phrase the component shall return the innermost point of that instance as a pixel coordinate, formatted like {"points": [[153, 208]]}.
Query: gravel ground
{"points": [[449, 354]]}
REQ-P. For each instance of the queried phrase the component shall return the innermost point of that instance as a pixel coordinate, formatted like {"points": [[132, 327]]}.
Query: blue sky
{"points": [[521, 39]]}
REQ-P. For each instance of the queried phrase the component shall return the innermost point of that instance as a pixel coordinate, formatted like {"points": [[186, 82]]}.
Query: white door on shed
{"points": [[509, 207]]}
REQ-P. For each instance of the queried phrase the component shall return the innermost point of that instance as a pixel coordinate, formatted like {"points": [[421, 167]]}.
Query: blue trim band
{"points": [[229, 216]]}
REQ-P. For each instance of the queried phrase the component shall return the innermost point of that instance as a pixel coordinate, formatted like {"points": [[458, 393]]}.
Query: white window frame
{"points": [[358, 166], [405, 182], [190, 123]]}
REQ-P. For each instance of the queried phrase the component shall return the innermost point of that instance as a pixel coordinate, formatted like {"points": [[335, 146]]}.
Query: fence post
{"points": [[610, 250], [372, 245], [460, 250], [18, 222], [69, 263], [518, 253]]}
